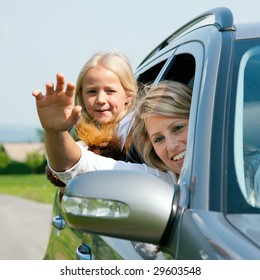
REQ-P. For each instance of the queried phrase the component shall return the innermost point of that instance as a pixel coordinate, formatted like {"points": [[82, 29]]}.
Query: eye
{"points": [[90, 91], [178, 128], [110, 91], [158, 139]]}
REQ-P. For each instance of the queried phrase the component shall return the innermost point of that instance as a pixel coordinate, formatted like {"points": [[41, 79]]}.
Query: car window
{"points": [[247, 132], [186, 66], [151, 74], [181, 69]]}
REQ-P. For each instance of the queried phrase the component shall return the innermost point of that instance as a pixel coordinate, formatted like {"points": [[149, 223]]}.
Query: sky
{"points": [[39, 38]]}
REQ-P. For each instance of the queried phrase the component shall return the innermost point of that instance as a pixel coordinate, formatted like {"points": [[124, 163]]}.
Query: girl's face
{"points": [[168, 136], [103, 95]]}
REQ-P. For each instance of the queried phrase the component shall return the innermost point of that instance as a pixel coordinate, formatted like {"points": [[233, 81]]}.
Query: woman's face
{"points": [[103, 95], [169, 138]]}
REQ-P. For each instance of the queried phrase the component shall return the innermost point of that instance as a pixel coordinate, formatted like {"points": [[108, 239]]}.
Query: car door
{"points": [[187, 65]]}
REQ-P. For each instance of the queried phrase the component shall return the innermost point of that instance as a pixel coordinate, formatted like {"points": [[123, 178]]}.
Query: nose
{"points": [[172, 144], [101, 97]]}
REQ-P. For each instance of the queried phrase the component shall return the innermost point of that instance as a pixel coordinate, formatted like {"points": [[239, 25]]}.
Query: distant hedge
{"points": [[22, 168], [35, 164]]}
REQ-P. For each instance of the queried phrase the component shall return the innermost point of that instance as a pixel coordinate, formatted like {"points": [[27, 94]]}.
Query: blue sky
{"points": [[40, 38]]}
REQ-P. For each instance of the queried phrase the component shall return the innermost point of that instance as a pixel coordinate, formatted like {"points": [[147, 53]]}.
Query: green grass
{"points": [[34, 187]]}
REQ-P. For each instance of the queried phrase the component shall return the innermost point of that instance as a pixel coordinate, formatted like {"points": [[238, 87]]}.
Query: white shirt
{"points": [[124, 127], [90, 162]]}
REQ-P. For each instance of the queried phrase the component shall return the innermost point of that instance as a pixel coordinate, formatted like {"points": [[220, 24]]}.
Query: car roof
{"points": [[221, 18], [247, 30]]}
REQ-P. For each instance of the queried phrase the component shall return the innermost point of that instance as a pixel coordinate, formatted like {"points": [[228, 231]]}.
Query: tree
{"points": [[4, 159], [35, 160]]}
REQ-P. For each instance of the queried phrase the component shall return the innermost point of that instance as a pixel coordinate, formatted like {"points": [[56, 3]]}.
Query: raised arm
{"points": [[57, 115]]}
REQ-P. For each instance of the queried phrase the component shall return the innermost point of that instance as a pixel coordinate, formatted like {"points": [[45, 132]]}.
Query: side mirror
{"points": [[123, 204]]}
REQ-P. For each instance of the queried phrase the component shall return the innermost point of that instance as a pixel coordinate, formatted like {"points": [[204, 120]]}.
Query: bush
{"points": [[16, 168], [4, 159], [35, 161]]}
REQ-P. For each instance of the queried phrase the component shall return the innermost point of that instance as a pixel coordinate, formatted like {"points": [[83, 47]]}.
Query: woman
{"points": [[159, 134]]}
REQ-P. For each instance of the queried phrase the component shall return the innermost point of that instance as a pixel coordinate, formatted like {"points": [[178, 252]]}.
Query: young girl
{"points": [[160, 133], [105, 90]]}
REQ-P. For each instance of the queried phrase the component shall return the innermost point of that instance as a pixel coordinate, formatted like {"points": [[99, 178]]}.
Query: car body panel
{"points": [[208, 235]]}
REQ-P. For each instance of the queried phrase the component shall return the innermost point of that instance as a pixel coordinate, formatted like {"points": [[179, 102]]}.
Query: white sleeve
{"points": [[90, 162]]}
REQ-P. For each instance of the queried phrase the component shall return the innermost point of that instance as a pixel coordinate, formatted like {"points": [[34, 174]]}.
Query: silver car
{"points": [[214, 210]]}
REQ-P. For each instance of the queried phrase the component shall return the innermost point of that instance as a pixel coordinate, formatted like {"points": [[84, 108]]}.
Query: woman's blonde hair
{"points": [[168, 99], [117, 63]]}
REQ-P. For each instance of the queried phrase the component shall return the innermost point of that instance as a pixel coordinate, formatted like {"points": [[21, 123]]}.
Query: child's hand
{"points": [[56, 108]]}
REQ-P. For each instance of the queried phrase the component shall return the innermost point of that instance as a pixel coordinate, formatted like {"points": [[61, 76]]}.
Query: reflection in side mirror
{"points": [[124, 204]]}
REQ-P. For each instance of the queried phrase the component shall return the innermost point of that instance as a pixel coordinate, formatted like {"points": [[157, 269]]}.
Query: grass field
{"points": [[34, 187]]}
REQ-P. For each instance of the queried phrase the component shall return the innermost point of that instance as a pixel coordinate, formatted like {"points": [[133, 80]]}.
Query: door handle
{"points": [[58, 222], [83, 252]]}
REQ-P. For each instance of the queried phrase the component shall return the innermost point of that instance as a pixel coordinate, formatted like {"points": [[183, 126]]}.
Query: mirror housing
{"points": [[124, 204]]}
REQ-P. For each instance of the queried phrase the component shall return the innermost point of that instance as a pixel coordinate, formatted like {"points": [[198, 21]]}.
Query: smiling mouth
{"points": [[179, 156], [102, 111]]}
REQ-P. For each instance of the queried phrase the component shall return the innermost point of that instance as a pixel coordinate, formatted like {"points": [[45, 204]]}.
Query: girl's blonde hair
{"points": [[168, 99], [117, 63]]}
